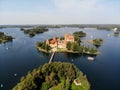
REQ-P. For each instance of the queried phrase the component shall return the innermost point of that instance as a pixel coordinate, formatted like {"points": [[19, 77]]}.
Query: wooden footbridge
{"points": [[52, 57], [54, 50]]}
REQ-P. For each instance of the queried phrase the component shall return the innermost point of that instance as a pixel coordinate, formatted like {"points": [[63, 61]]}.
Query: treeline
{"points": [[32, 32], [98, 26], [5, 38], [53, 76]]}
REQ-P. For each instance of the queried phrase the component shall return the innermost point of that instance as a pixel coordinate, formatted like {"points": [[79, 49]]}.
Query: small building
{"points": [[57, 43], [77, 82]]}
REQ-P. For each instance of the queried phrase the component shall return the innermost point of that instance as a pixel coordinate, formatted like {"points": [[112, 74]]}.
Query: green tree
{"points": [[46, 47], [39, 44], [67, 84], [68, 45], [44, 86], [77, 39]]}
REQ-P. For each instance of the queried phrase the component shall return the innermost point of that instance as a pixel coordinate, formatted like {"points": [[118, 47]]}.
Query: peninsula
{"points": [[5, 38]]}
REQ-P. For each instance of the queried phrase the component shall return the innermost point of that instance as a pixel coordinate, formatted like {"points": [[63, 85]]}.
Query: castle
{"points": [[57, 43]]}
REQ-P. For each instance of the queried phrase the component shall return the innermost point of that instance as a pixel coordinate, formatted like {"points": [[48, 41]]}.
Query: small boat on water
{"points": [[1, 85], [15, 74], [7, 48], [72, 60], [108, 35], [91, 58]]}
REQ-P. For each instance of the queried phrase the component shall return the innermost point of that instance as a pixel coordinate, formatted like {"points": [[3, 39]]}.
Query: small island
{"points": [[68, 43], [96, 42], [54, 76], [32, 32], [117, 33], [80, 34], [90, 50], [5, 38]]}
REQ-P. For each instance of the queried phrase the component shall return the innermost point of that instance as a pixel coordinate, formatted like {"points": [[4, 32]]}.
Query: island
{"points": [[96, 42], [68, 43], [90, 50], [54, 76], [32, 32], [80, 34], [5, 38], [116, 33]]}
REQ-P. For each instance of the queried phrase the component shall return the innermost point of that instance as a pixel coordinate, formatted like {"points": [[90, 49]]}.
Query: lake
{"points": [[20, 56]]}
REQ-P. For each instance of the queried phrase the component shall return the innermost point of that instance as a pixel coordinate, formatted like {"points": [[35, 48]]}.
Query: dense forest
{"points": [[32, 32], [5, 38], [54, 76]]}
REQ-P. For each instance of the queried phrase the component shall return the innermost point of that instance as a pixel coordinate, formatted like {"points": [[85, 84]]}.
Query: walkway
{"points": [[51, 57], [54, 50]]}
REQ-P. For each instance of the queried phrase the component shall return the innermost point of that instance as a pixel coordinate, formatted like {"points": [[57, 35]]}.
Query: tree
{"points": [[68, 45], [77, 39], [72, 47], [44, 86], [67, 84], [46, 47], [39, 44]]}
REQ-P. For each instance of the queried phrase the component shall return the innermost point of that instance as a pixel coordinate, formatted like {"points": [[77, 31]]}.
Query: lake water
{"points": [[20, 56]]}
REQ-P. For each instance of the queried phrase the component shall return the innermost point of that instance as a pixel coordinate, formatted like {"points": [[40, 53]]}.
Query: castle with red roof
{"points": [[57, 43]]}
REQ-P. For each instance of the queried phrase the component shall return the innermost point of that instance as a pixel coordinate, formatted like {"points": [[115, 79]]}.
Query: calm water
{"points": [[20, 56]]}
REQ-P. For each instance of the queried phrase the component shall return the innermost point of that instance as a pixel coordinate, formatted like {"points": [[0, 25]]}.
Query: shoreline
{"points": [[91, 53], [68, 51], [58, 51]]}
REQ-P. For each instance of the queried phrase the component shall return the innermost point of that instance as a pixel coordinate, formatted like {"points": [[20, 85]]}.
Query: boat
{"points": [[72, 60], [91, 58], [108, 35], [7, 48], [1, 85], [91, 36], [15, 74]]}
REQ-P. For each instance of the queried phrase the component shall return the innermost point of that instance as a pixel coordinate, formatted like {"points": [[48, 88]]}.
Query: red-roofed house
{"points": [[57, 43]]}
